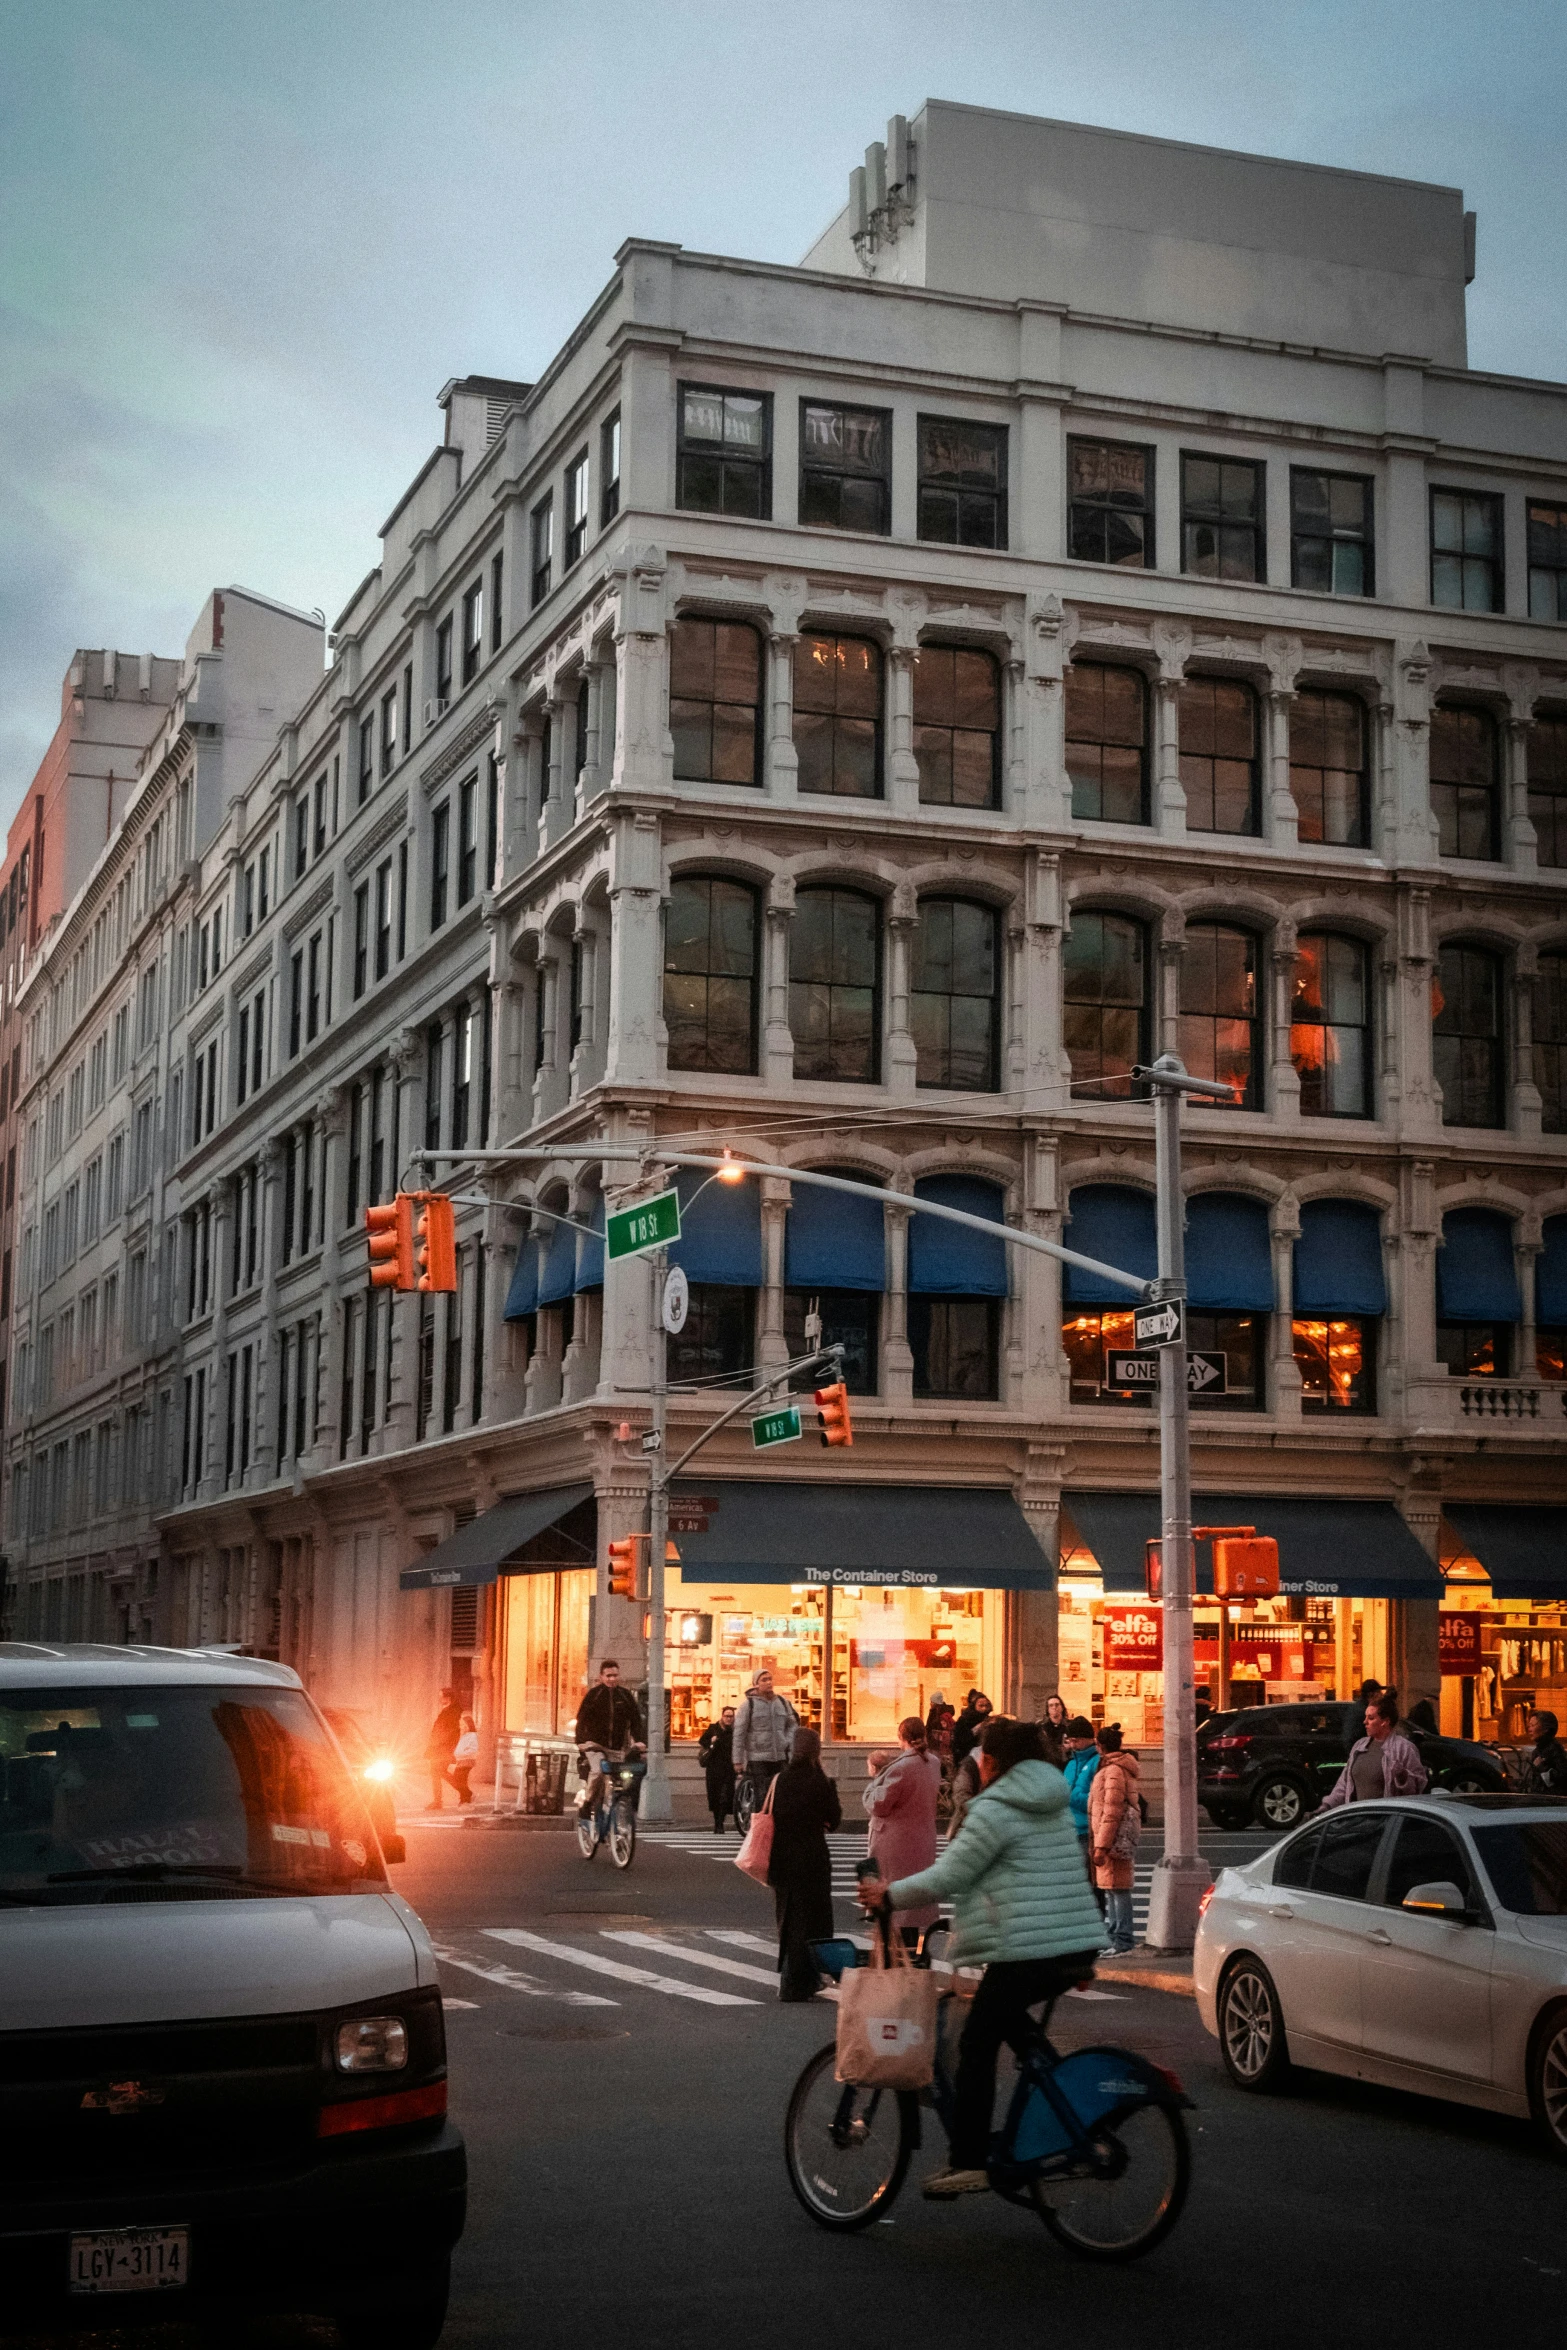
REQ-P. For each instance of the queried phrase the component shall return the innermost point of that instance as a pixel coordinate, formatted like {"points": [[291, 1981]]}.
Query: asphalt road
{"points": [[623, 2103]]}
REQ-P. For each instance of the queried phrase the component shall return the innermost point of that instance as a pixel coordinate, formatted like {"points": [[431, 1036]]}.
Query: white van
{"points": [[222, 2053]]}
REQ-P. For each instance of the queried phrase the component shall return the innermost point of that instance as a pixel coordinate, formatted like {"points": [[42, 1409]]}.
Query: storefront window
{"points": [[716, 1340], [1337, 1362], [544, 1649], [850, 1319], [954, 1341], [1474, 1350]]}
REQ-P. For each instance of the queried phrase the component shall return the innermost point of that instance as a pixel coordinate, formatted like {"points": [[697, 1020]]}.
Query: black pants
{"points": [[761, 1776], [803, 1905], [1000, 2014], [720, 1796]]}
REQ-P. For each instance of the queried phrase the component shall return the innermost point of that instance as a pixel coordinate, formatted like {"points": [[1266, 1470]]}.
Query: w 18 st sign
{"points": [[1133, 1638]]}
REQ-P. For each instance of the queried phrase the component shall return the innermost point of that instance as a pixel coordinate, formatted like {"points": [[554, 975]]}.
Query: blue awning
{"points": [[1229, 1257], [557, 1263], [950, 1260], [904, 1537], [1550, 1276], [1523, 1550], [834, 1241], [720, 1230], [522, 1298], [590, 1253], [1476, 1273], [1338, 1259], [1328, 1548], [1114, 1223]]}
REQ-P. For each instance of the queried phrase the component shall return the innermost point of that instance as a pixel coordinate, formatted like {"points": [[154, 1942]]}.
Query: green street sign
{"points": [[651, 1224], [776, 1428]]}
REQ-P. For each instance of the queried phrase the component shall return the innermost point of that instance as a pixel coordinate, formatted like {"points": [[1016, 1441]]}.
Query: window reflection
{"points": [[1330, 1037], [1337, 1362], [1219, 1008]]}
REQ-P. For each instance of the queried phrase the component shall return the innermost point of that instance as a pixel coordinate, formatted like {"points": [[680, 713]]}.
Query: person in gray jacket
{"points": [[765, 1724]]}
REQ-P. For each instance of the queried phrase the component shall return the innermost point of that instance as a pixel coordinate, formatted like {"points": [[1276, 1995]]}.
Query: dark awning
{"points": [[1328, 1549], [941, 1537], [481, 1550], [1524, 1551]]}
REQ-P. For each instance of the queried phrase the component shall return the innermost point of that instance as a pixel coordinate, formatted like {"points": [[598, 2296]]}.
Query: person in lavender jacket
{"points": [[901, 1800], [1384, 1762]]}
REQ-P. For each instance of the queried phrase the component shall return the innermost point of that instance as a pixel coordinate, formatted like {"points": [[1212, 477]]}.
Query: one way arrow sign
{"points": [[1205, 1374], [1159, 1325]]}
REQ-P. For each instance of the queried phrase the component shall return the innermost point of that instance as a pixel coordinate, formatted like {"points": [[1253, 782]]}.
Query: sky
{"points": [[244, 243]]}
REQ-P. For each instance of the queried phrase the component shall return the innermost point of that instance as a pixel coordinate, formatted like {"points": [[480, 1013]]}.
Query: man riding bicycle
{"points": [[1024, 1912], [608, 1728]]}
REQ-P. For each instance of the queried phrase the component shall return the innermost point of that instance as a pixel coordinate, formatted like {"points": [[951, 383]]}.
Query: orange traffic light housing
{"points": [[390, 1234], [832, 1414], [435, 1243], [623, 1566], [1245, 1567]]}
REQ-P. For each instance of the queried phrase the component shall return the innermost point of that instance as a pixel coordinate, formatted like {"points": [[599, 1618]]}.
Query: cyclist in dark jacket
{"points": [[1545, 1768], [608, 1726]]}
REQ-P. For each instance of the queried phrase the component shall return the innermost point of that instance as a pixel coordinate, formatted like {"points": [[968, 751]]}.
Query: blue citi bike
{"points": [[1094, 2143], [608, 1812]]}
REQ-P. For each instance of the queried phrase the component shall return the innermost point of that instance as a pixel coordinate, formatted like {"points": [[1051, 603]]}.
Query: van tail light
{"points": [[1235, 1743], [382, 2113]]}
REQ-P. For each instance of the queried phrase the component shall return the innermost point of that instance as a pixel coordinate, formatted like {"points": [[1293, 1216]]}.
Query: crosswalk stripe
{"points": [[598, 1965], [707, 1958], [510, 1980], [738, 1938]]}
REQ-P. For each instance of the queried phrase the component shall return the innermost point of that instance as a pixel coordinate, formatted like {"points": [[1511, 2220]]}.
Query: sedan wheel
{"points": [[1251, 2028], [1279, 1803], [1548, 2082]]}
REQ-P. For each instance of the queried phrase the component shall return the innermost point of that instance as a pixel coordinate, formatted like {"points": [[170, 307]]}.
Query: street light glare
{"points": [[732, 1171]]}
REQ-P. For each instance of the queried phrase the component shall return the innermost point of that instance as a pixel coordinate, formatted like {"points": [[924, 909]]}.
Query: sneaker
{"points": [[943, 2184]]}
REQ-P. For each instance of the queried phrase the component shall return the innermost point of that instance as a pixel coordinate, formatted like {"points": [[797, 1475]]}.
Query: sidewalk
{"points": [[1154, 1970]]}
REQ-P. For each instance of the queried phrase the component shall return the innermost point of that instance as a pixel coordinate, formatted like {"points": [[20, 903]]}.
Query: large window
{"points": [[837, 715], [542, 542], [1464, 786], [715, 700], [716, 1340], [1328, 769], [1550, 1041], [1219, 1009], [1330, 533], [576, 508], [609, 469], [723, 460], [955, 995], [1330, 1025], [1222, 518], [962, 482], [955, 1345], [1219, 765], [835, 985], [1466, 551], [1547, 561], [1548, 789], [1106, 1009], [851, 1318], [845, 467], [1107, 743], [710, 939], [1088, 1338], [1337, 1361], [1466, 1044], [1475, 1350], [1110, 503], [957, 727]]}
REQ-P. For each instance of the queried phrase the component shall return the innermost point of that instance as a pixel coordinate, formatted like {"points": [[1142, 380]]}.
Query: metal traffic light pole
{"points": [[657, 1805]]}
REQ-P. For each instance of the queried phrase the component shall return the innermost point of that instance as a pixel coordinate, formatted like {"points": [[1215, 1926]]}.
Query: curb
{"points": [[1150, 1978]]}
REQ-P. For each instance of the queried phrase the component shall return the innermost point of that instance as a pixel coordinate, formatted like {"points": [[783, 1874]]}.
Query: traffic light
{"points": [[390, 1232], [832, 1414], [435, 1243], [623, 1567]]}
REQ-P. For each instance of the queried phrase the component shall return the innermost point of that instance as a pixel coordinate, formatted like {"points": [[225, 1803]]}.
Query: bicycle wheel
{"points": [[588, 1830], [622, 1832], [1132, 2197], [847, 2149]]}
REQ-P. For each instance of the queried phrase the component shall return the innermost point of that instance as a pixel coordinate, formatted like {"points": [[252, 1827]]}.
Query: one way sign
{"points": [[1205, 1373], [1159, 1325]]}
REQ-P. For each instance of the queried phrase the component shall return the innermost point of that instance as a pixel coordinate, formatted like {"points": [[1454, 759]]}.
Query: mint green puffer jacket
{"points": [[1014, 1873]]}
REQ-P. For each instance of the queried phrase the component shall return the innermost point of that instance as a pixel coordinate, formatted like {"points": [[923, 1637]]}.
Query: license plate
{"points": [[130, 2260]]}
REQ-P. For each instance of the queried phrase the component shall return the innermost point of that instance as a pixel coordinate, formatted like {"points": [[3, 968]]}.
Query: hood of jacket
{"points": [[1027, 1787], [1122, 1759]]}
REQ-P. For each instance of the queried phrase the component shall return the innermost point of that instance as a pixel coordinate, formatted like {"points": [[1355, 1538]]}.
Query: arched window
{"points": [[1339, 1295], [957, 1282], [710, 965], [1550, 1300], [1330, 1025], [1548, 789], [1218, 736], [1115, 1224], [1478, 1300], [957, 727], [720, 1253], [835, 985], [1328, 768], [1105, 1016], [837, 715], [1550, 1041], [835, 1259], [955, 995], [1464, 782], [1219, 1009], [715, 701], [1466, 1044], [1107, 743]]}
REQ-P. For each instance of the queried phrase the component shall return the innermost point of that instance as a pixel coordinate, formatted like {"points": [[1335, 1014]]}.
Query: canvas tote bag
{"points": [[757, 1849], [887, 2021]]}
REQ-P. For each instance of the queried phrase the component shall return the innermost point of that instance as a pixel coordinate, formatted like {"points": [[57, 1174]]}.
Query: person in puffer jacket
{"points": [[1115, 1823], [1082, 1761], [1024, 1913]]}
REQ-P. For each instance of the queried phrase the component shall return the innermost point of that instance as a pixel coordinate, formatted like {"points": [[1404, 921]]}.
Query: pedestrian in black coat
{"points": [[805, 1807], [716, 1749], [1545, 1766]]}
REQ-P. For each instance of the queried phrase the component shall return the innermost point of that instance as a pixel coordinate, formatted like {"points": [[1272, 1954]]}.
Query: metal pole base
{"points": [[1178, 1887], [657, 1803]]}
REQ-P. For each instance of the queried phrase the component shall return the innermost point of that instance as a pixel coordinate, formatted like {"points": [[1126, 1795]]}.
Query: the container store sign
{"points": [[1134, 1639], [1458, 1641]]}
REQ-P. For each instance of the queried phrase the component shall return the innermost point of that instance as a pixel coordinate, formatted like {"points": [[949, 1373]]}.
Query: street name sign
{"points": [[1205, 1373], [652, 1223], [780, 1427], [1160, 1325]]}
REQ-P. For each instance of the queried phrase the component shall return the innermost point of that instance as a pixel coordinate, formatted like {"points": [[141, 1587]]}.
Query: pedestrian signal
{"points": [[623, 1567], [1245, 1567], [832, 1414], [435, 1242], [390, 1233]]}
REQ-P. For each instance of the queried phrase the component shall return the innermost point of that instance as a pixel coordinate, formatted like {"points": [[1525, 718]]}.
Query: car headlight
{"points": [[372, 2044], [381, 1769]]}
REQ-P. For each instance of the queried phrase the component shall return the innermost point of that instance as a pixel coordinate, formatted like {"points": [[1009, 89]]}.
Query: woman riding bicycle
{"points": [[1024, 1912]]}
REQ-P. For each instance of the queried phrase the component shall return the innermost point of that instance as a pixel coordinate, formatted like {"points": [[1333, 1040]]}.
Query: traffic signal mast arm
{"points": [[827, 1354]]}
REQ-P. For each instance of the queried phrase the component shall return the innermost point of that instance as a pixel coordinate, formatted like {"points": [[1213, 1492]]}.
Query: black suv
{"points": [[1274, 1763]]}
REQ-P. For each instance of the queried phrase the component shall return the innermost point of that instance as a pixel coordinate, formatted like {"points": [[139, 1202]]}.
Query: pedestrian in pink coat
{"points": [[901, 1800]]}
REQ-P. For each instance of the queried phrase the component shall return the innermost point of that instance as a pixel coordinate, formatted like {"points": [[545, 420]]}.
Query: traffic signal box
{"points": [[435, 1242], [623, 1566], [413, 1242], [1245, 1567], [832, 1414], [390, 1232]]}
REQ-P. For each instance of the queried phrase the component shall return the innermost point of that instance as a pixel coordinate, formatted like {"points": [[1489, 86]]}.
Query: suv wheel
{"points": [[1548, 2081], [1279, 1803], [1251, 2028], [1469, 1782]]}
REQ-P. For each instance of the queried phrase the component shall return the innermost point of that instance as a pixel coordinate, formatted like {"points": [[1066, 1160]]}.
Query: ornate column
{"points": [[1528, 1247], [1036, 1059], [1416, 825], [772, 1350], [332, 1113], [645, 751], [781, 762], [901, 1051], [1284, 1082], [777, 1036], [268, 1371], [1520, 842], [1282, 821], [1283, 1232], [634, 1033], [223, 1210], [897, 1359], [595, 767], [547, 1094], [556, 799], [508, 1013], [1044, 795], [902, 780], [1526, 1103], [524, 795], [1421, 1108], [1173, 645]]}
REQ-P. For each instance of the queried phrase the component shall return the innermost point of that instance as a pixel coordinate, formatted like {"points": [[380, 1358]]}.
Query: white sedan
{"points": [[1419, 1943]]}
